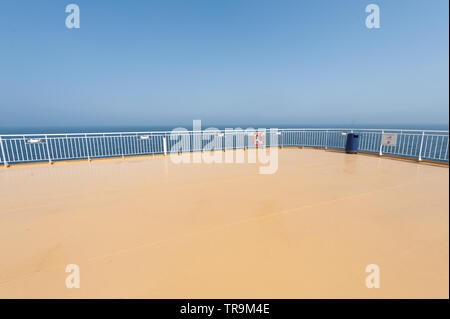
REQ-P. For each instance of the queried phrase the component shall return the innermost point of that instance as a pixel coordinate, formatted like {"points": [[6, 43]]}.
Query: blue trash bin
{"points": [[351, 147]]}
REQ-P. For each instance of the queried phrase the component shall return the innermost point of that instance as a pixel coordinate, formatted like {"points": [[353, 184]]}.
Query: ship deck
{"points": [[149, 228]]}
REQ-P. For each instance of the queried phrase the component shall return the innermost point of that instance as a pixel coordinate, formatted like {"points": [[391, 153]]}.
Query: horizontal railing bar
{"points": [[224, 130]]}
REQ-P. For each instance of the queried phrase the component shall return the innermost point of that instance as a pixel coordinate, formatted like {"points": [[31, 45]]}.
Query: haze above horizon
{"points": [[160, 63]]}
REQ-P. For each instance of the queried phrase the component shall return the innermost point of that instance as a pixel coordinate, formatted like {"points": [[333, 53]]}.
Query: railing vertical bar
{"points": [[5, 162], [16, 156], [25, 147], [442, 145], [446, 149], [87, 148], [48, 150], [435, 147]]}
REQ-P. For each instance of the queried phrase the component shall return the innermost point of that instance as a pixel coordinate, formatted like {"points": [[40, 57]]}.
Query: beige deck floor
{"points": [[146, 227]]}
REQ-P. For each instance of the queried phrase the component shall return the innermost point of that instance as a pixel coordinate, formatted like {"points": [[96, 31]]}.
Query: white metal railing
{"points": [[23, 148]]}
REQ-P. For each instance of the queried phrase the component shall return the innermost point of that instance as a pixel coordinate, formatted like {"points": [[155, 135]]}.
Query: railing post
{"points": [[48, 150], [381, 142], [326, 139], [421, 145], [87, 148], [165, 145], [3, 153]]}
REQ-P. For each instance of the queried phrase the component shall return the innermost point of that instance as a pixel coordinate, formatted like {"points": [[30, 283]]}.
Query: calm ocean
{"points": [[104, 129]]}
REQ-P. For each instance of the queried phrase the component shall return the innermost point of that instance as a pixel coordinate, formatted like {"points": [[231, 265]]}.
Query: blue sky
{"points": [[167, 62]]}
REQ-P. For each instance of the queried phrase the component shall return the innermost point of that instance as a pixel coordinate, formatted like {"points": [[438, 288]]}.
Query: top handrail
{"points": [[243, 130]]}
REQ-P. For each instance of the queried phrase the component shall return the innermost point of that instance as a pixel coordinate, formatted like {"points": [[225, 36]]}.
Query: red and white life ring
{"points": [[258, 139]]}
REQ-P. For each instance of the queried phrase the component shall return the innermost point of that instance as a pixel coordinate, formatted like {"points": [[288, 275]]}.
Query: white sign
{"points": [[389, 139]]}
